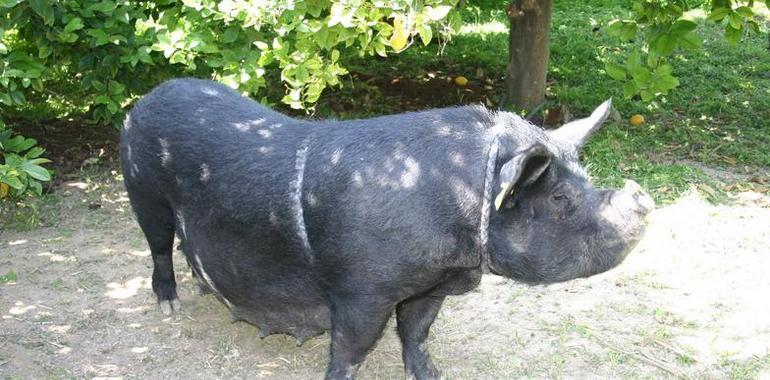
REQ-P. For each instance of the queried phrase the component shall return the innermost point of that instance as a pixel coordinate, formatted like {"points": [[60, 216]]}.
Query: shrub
{"points": [[108, 51], [20, 170]]}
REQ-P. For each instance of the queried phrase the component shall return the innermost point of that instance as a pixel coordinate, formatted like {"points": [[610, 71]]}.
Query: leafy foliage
{"points": [[20, 170], [113, 50], [106, 52], [664, 28]]}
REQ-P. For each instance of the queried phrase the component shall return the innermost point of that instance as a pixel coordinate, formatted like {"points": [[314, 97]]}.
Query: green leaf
{"points": [[105, 6], [116, 88], [12, 181], [745, 12], [19, 144], [664, 44], [437, 13], [113, 107], [9, 277], [634, 61], [733, 35], [641, 76], [9, 3], [736, 21], [625, 29], [43, 9], [36, 187], [35, 152], [718, 14], [615, 71], [100, 37], [18, 97], [35, 171], [691, 41], [682, 27], [74, 24], [5, 98], [662, 80], [231, 34], [630, 89], [426, 33]]}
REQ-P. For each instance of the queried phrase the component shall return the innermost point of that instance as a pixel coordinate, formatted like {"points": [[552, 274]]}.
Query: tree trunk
{"points": [[528, 49]]}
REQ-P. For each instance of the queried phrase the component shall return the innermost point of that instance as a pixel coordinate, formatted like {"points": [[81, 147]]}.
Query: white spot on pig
{"points": [[296, 196], [312, 200], [165, 154], [350, 372], [486, 203], [443, 130], [457, 159], [358, 179], [336, 156], [209, 281], [180, 220], [273, 218], [127, 122], [466, 197], [265, 149], [248, 125], [265, 133], [401, 171], [134, 169], [411, 173], [210, 91], [205, 172]]}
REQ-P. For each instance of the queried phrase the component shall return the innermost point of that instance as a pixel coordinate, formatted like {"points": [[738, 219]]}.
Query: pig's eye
{"points": [[559, 197]]}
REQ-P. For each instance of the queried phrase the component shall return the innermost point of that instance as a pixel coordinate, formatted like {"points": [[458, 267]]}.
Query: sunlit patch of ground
{"points": [[691, 302]]}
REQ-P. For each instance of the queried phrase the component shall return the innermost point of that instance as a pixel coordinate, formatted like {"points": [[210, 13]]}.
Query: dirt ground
{"points": [[692, 301]]}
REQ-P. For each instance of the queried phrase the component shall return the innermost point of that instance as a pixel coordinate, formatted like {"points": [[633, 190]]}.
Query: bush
{"points": [[107, 52], [20, 170]]}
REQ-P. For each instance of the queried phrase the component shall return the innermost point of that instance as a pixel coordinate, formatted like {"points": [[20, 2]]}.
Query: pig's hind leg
{"points": [[156, 218]]}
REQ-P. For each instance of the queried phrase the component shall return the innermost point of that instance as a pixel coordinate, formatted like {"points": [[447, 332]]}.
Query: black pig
{"points": [[305, 226]]}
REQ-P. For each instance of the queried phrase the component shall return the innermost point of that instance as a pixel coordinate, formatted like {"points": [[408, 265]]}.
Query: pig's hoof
{"points": [[167, 307]]}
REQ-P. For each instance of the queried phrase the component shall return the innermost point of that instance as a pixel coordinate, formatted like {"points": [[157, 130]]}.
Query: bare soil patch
{"points": [[691, 302]]}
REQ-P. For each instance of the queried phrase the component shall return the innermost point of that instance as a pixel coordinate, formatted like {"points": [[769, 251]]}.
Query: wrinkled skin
{"points": [[303, 227]]}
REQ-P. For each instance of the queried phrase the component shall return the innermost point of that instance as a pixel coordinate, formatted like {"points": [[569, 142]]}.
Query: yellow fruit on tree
{"points": [[636, 120], [461, 80]]}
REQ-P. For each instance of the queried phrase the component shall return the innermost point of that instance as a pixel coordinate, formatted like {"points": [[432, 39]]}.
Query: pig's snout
{"points": [[633, 197]]}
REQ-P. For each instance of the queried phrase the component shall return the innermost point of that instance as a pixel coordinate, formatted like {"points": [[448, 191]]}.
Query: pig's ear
{"points": [[523, 169], [575, 133]]}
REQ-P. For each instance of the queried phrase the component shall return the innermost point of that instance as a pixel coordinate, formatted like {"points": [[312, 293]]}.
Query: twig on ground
{"points": [[644, 357], [676, 350]]}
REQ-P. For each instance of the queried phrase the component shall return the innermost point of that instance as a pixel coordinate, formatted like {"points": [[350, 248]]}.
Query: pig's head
{"points": [[549, 223]]}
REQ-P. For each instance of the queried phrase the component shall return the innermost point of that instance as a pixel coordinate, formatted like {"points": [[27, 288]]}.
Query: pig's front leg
{"points": [[414, 317], [357, 323]]}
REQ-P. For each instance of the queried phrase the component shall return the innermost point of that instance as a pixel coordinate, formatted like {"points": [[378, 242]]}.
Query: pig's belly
{"points": [[274, 291]]}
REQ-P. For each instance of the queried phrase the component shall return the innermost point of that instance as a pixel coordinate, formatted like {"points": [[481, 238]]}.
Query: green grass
{"points": [[29, 213], [745, 369]]}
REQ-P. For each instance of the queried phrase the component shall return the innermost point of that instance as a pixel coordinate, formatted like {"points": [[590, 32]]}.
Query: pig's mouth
{"points": [[625, 214]]}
